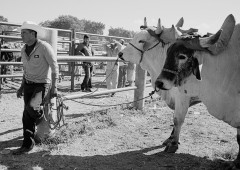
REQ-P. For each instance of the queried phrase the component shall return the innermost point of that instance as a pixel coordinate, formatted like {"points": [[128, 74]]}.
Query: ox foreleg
{"points": [[237, 160], [181, 107]]}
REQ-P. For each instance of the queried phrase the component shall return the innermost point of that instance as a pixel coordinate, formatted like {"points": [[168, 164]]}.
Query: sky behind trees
{"points": [[206, 15]]}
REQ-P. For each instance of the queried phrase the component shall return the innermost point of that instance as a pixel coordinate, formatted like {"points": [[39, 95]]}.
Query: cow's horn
{"points": [[224, 37], [180, 23], [145, 21], [159, 27]]}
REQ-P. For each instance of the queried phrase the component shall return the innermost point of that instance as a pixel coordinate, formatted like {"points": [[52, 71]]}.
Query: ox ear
{"points": [[223, 37], [180, 23], [195, 68], [189, 31]]}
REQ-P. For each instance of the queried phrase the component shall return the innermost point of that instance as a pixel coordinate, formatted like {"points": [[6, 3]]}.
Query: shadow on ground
{"points": [[148, 158]]}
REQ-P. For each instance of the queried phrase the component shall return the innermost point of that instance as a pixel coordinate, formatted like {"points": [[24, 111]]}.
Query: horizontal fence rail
{"points": [[86, 58], [67, 44]]}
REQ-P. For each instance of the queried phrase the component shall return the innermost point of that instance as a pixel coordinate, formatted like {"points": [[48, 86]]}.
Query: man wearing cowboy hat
{"points": [[39, 80]]}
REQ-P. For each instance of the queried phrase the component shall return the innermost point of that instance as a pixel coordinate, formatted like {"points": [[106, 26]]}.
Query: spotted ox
{"points": [[148, 48], [217, 83]]}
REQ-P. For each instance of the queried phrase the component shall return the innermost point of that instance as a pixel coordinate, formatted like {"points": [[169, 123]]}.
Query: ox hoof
{"points": [[170, 148], [231, 165], [236, 164], [167, 142]]}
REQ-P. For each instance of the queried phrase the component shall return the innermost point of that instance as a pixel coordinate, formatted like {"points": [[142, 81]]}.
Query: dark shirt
{"points": [[85, 49], [29, 49]]}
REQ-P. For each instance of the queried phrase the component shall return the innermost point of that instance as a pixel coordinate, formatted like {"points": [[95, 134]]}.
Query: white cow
{"points": [[218, 82], [148, 48]]}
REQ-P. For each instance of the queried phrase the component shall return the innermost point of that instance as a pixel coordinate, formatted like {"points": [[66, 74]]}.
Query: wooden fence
{"points": [[65, 56]]}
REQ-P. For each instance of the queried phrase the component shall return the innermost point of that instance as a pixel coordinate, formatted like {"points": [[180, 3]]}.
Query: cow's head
{"points": [[182, 62], [148, 38], [148, 47]]}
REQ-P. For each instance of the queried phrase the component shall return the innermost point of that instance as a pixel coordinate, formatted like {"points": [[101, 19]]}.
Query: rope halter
{"points": [[142, 52], [190, 59]]}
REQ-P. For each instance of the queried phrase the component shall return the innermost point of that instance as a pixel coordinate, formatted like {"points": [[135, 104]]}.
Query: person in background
{"points": [[39, 81], [6, 57], [122, 78], [112, 67], [85, 49], [131, 67]]}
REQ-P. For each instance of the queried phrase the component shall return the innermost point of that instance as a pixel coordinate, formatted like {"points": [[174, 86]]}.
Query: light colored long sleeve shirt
{"points": [[40, 64]]}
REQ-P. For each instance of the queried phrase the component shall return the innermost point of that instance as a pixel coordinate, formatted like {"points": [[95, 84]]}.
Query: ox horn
{"points": [[159, 27], [145, 21], [223, 36]]}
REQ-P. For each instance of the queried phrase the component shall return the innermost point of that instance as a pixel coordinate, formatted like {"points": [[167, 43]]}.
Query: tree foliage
{"points": [[93, 27], [5, 27], [71, 22], [120, 32]]}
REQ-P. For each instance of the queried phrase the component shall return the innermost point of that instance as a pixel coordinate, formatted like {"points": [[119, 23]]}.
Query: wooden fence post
{"points": [[0, 68], [140, 83], [72, 65]]}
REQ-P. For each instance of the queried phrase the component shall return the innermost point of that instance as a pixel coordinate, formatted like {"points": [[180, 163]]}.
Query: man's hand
{"points": [[20, 92], [82, 54], [53, 92]]}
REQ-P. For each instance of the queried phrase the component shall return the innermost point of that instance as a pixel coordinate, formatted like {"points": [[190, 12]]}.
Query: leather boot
{"points": [[23, 149]]}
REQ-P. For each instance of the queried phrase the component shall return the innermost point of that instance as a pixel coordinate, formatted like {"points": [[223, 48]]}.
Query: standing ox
{"points": [[218, 82], [148, 48]]}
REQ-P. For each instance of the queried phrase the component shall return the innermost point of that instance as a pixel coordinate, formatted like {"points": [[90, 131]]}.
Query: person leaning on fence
{"points": [[131, 67], [112, 67], [85, 49], [39, 81], [122, 77]]}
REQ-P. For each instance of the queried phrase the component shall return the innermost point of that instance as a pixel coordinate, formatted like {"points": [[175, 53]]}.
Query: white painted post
{"points": [[43, 129], [140, 83]]}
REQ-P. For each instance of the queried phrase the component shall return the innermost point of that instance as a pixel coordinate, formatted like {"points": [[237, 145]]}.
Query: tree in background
{"points": [[5, 27], [71, 22], [120, 32], [93, 27]]}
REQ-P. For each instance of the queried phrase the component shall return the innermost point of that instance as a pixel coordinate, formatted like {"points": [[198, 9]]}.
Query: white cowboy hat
{"points": [[33, 26]]}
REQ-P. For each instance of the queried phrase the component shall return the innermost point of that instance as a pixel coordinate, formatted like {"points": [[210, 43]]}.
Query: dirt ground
{"points": [[118, 138]]}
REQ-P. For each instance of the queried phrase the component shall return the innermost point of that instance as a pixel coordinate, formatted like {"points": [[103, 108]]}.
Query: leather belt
{"points": [[29, 82]]}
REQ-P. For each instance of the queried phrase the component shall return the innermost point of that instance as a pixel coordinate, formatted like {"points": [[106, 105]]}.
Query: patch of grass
{"points": [[66, 134], [89, 122]]}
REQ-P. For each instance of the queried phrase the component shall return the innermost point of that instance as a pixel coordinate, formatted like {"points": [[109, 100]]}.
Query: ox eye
{"points": [[181, 57], [141, 41]]}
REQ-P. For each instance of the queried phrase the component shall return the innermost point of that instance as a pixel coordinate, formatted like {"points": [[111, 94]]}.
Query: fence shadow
{"points": [[10, 131]]}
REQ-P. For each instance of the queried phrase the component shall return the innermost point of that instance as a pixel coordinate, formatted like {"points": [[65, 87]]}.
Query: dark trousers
{"points": [[87, 81], [122, 77], [34, 96]]}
